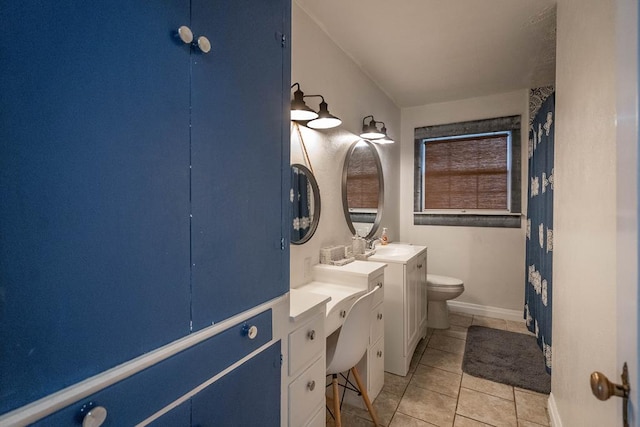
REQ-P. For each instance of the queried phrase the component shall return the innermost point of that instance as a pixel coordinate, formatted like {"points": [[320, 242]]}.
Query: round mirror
{"points": [[305, 200], [362, 189]]}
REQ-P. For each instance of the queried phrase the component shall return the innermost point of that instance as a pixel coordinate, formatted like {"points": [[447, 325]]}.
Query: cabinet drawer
{"points": [[319, 419], [377, 281], [139, 396], [306, 393], [305, 343], [377, 323], [336, 316]]}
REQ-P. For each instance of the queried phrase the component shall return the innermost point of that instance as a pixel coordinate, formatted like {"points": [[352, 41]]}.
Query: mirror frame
{"points": [[316, 204], [345, 205]]}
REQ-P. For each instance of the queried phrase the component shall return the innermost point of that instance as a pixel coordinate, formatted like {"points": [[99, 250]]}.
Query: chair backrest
{"points": [[345, 352]]}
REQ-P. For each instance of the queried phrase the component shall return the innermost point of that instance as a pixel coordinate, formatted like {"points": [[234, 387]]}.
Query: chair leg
{"points": [[365, 396], [336, 401]]}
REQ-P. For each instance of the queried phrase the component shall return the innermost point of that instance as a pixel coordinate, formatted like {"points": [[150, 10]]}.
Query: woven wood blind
{"points": [[466, 173], [362, 179]]}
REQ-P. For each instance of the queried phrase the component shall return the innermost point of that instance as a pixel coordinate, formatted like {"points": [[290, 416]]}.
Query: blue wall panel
{"points": [[239, 151], [94, 189]]}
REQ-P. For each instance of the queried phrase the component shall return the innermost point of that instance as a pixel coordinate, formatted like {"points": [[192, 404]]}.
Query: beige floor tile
{"points": [[490, 322], [402, 420], [395, 384], [441, 359], [522, 423], [460, 319], [467, 422], [437, 380], [429, 406], [532, 407], [519, 327], [489, 387], [349, 419], [385, 406], [486, 408], [524, 390], [446, 343], [454, 331]]}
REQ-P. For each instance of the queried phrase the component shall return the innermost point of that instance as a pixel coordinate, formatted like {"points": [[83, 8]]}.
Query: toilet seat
{"points": [[435, 281]]}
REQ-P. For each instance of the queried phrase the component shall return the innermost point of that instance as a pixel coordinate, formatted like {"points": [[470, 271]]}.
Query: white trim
{"points": [[47, 405], [554, 416], [485, 310]]}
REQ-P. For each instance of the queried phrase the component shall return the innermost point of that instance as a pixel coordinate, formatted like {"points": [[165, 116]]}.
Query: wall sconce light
{"points": [[370, 131], [301, 112]]}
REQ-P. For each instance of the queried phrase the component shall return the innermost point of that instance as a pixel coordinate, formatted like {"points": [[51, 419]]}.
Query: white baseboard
{"points": [[554, 416], [485, 310]]}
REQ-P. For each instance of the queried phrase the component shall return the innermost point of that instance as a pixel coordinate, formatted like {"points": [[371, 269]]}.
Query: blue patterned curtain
{"points": [[300, 200], [539, 259]]}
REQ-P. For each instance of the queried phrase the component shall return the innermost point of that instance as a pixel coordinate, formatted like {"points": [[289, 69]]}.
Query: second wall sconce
{"points": [[370, 131], [323, 119]]}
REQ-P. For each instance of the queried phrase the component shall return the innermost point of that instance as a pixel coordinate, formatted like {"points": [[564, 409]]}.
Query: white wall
{"points": [[322, 68], [490, 261], [584, 280]]}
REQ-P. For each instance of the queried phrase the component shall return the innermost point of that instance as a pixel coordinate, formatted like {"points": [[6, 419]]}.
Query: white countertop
{"points": [[336, 292], [396, 252], [302, 301]]}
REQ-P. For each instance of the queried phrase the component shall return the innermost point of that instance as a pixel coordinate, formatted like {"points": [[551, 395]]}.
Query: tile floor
{"points": [[436, 392]]}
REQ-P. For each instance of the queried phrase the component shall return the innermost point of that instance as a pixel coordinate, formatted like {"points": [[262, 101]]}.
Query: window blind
{"points": [[467, 173]]}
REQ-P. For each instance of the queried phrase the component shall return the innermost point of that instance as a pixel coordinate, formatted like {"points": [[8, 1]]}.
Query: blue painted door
{"points": [[94, 189], [249, 396], [239, 150]]}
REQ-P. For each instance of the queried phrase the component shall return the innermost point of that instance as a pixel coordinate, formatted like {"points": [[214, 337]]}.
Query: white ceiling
{"points": [[424, 51]]}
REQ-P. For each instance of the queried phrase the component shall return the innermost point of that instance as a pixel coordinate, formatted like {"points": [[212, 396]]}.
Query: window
{"points": [[468, 173]]}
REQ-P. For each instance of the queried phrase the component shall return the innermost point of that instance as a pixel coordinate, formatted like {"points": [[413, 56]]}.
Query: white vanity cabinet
{"points": [[304, 373], [405, 303], [367, 275]]}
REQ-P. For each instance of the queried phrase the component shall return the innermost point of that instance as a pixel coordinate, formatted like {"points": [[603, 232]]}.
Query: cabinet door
{"points": [[94, 189], [422, 267], [248, 396], [412, 304], [239, 151]]}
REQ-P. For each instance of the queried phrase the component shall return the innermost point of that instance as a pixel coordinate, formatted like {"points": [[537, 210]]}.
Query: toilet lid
{"points": [[443, 281]]}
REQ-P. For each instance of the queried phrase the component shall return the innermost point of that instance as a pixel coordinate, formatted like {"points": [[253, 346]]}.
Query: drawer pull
{"points": [[343, 313], [204, 44], [379, 316], [312, 334], [419, 265], [185, 34], [379, 353], [311, 385], [250, 331], [94, 416]]}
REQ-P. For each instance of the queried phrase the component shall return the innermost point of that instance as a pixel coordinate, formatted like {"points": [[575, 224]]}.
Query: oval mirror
{"points": [[305, 200], [362, 189]]}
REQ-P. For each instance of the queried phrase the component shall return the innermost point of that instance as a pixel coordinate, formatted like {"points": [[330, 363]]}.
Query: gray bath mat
{"points": [[505, 357]]}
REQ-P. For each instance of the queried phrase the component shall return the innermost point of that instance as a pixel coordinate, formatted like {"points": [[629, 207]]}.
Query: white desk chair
{"points": [[345, 349]]}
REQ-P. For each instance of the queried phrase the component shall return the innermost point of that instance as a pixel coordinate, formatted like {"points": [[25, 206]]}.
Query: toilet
{"points": [[440, 289]]}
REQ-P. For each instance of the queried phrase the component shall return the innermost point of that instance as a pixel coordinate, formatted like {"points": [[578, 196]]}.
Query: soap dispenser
{"points": [[384, 238]]}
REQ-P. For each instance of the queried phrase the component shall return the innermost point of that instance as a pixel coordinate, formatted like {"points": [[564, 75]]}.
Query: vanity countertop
{"points": [[302, 301], [396, 252]]}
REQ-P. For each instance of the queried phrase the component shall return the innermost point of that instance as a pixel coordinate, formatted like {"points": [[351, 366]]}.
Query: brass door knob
{"points": [[603, 389]]}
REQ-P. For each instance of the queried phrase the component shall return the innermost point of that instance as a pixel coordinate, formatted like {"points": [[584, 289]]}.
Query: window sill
{"points": [[469, 219]]}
